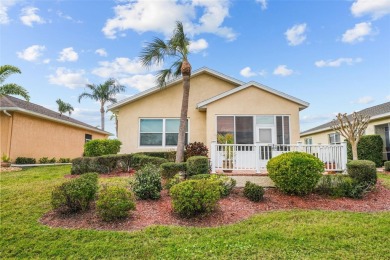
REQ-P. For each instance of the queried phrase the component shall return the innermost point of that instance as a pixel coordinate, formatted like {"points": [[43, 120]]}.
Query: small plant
{"points": [[173, 181], [75, 195], [64, 160], [295, 172], [362, 171], [43, 160], [25, 160], [195, 149], [114, 202], [170, 169], [193, 197], [253, 192], [226, 183], [147, 183], [197, 165], [387, 166], [5, 158], [53, 160]]}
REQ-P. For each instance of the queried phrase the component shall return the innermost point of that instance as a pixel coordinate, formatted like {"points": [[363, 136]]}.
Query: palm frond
{"points": [[87, 95], [154, 52], [7, 70], [163, 76], [179, 41], [14, 89]]}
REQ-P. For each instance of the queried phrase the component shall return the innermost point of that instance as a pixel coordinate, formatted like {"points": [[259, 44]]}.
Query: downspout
{"points": [[10, 127]]}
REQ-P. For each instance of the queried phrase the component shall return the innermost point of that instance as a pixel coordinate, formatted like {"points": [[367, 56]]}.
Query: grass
{"points": [[298, 234], [385, 179]]}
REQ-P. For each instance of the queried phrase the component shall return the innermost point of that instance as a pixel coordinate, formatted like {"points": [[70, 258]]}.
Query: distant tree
{"points": [[103, 93], [11, 88], [175, 47], [115, 116], [64, 107], [351, 128]]}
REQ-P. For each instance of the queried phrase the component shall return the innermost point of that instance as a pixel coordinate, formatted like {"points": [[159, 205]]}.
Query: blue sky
{"points": [[333, 54]]}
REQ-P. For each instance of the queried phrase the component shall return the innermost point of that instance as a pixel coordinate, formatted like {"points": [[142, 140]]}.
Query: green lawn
{"points": [[25, 197], [385, 179]]}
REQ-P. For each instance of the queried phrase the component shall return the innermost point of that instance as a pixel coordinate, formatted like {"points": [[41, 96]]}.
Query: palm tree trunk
{"points": [[183, 119], [102, 116]]}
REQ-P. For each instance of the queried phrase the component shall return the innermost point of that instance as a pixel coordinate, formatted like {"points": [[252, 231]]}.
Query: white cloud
{"points": [[363, 100], [197, 46], [67, 17], [29, 16], [338, 62], [308, 119], [46, 61], [160, 16], [68, 54], [102, 52], [296, 34], [357, 33], [247, 72], [68, 78], [388, 97], [375, 8], [283, 71], [4, 6], [31, 53], [263, 4], [139, 82], [263, 73]]}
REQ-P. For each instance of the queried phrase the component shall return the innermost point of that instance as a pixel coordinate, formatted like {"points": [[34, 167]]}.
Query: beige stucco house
{"points": [[218, 104], [30, 130], [379, 124]]}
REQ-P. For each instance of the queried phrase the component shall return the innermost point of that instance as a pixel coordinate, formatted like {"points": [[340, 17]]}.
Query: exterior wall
{"points": [[167, 103], [35, 137], [5, 127], [260, 103]]}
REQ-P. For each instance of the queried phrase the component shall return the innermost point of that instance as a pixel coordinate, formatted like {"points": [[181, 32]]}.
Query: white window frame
{"points": [[308, 141], [163, 133], [334, 135]]}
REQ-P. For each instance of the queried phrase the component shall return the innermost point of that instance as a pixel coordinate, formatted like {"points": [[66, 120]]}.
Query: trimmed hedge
{"points": [[193, 197], [387, 166], [139, 160], [295, 172], [169, 155], [197, 165], [363, 171], [170, 169], [253, 192], [100, 147], [370, 147], [25, 160], [226, 183]]}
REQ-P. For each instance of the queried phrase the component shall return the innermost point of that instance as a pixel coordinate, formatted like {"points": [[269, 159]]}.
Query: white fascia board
{"points": [[171, 83], [24, 111]]}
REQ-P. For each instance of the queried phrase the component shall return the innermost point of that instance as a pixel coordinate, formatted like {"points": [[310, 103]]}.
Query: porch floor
{"points": [[242, 177]]}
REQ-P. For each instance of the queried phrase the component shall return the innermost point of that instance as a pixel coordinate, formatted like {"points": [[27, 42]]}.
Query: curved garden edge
{"points": [[230, 210]]}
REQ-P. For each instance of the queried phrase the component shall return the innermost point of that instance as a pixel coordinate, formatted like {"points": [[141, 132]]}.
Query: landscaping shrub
{"points": [[43, 160], [197, 165], [139, 160], [195, 149], [168, 155], [101, 164], [25, 160], [253, 192], [226, 183], [64, 160], [53, 160], [363, 171], [387, 166], [147, 183], [100, 147], [114, 202], [76, 194], [370, 147], [295, 172], [193, 197], [173, 181], [170, 169]]}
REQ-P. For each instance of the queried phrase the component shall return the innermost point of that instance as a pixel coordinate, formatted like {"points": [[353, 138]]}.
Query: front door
{"points": [[265, 137]]}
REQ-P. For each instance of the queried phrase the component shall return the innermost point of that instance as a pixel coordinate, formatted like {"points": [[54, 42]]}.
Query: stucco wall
{"points": [[167, 103], [35, 137], [252, 101], [5, 123]]}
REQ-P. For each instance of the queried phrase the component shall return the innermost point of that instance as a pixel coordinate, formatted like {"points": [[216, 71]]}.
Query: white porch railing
{"points": [[255, 157]]}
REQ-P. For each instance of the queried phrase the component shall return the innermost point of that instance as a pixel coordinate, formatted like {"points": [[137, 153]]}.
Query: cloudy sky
{"points": [[333, 54]]}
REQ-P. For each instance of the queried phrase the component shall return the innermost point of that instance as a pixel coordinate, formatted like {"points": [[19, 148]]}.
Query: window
{"points": [[244, 130], [334, 138], [283, 130], [88, 137], [308, 140], [160, 132]]}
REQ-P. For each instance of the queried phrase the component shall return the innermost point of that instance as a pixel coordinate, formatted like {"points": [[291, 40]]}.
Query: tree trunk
{"points": [[186, 72], [354, 151], [102, 116]]}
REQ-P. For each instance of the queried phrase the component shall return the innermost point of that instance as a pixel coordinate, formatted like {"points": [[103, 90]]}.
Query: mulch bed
{"points": [[231, 209]]}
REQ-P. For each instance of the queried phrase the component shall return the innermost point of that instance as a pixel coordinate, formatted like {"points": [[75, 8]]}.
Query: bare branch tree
{"points": [[352, 128]]}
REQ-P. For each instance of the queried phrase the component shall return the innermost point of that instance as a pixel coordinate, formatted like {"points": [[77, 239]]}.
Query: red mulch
{"points": [[231, 209]]}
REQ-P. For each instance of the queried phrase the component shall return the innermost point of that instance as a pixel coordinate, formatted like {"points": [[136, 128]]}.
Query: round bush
{"points": [[253, 192], [227, 184], [387, 166], [295, 172], [197, 165], [195, 149], [147, 183], [114, 202], [193, 197], [363, 171]]}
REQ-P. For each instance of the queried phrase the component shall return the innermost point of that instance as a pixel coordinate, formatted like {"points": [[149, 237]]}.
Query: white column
{"points": [[344, 156], [257, 157], [213, 155]]}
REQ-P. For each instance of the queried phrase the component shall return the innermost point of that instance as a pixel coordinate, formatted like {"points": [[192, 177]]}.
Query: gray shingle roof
{"points": [[13, 103], [370, 111]]}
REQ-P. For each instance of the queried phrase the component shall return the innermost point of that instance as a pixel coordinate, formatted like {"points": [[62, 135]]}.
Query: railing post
{"points": [[213, 155], [299, 144], [257, 157], [344, 155]]}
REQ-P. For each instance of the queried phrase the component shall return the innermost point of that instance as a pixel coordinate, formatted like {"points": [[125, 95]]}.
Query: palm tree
{"points": [[103, 93], [115, 116], [175, 47], [64, 107], [11, 88]]}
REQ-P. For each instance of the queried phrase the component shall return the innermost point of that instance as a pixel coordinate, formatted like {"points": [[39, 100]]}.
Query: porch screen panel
{"points": [[279, 130], [283, 130], [286, 129], [225, 125], [244, 130]]}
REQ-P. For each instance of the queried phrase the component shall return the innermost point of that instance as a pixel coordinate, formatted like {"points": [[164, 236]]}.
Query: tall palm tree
{"points": [[115, 116], [103, 93], [11, 88], [176, 47], [64, 107]]}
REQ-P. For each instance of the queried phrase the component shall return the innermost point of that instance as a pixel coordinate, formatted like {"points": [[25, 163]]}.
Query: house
{"points": [[30, 130], [379, 124], [218, 104]]}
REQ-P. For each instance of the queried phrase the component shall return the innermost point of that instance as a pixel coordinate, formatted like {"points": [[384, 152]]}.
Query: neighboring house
{"points": [[30, 130], [379, 124], [218, 104]]}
